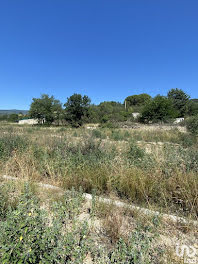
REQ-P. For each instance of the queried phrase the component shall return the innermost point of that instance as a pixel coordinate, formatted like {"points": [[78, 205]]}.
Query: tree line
{"points": [[78, 109]]}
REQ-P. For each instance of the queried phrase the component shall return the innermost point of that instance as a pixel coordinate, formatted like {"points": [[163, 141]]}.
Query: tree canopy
{"points": [[138, 99], [158, 109], [76, 109], [46, 108], [79, 110], [180, 101]]}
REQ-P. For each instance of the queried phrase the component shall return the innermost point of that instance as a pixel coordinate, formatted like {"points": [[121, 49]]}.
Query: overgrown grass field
{"points": [[157, 169]]}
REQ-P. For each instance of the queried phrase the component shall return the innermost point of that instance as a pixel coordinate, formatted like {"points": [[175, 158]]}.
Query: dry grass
{"points": [[161, 175], [109, 224]]}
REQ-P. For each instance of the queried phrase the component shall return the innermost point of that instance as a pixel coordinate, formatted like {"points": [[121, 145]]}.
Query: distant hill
{"points": [[13, 111]]}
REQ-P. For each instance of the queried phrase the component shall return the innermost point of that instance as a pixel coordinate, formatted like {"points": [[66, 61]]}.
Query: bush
{"points": [[29, 235], [186, 140], [160, 109], [117, 135], [183, 159], [98, 134], [192, 125], [109, 125], [135, 251], [5, 202], [11, 143], [138, 157], [89, 153]]}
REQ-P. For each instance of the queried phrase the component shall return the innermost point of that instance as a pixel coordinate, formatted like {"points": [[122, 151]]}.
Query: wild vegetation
{"points": [[78, 110], [49, 227], [62, 231], [154, 168], [151, 166], [192, 125], [148, 168]]}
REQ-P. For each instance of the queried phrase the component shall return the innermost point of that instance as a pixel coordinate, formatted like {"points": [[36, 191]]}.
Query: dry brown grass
{"points": [[166, 188]]}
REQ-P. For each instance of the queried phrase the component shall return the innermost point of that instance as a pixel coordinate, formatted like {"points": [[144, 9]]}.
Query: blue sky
{"points": [[106, 49]]}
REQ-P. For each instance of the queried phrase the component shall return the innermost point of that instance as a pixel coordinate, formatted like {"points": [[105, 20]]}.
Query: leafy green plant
{"points": [[183, 159], [68, 206], [98, 134], [137, 249], [134, 251], [117, 135], [109, 125], [192, 125], [138, 157], [159, 109], [11, 143], [7, 199], [29, 235], [187, 140]]}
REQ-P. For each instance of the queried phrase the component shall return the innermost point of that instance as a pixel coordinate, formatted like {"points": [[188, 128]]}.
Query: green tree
{"points": [[193, 107], [77, 109], [94, 114], [180, 101], [112, 111], [46, 108], [3, 117], [192, 125], [13, 118], [137, 101], [158, 109]]}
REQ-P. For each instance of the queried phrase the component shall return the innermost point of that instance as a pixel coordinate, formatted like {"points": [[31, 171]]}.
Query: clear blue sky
{"points": [[107, 49]]}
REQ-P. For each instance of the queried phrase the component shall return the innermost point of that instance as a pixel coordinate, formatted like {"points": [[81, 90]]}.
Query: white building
{"points": [[179, 120], [28, 121], [135, 115]]}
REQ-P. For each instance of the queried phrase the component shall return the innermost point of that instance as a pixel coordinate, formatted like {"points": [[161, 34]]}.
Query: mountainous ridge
{"points": [[12, 111]]}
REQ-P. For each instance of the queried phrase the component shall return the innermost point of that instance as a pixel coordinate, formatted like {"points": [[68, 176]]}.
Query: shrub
{"points": [[98, 134], [187, 140], [29, 235], [89, 153], [135, 250], [117, 135], [62, 129], [56, 235], [11, 143], [183, 159], [5, 201], [158, 109], [75, 134], [68, 207], [127, 134], [109, 125], [138, 157], [192, 125]]}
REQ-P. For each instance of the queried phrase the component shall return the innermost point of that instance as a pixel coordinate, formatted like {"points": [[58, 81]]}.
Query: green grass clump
{"points": [[7, 199], [136, 250], [171, 136], [11, 143], [138, 157], [187, 140], [117, 135], [179, 159], [62, 129], [96, 133]]}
